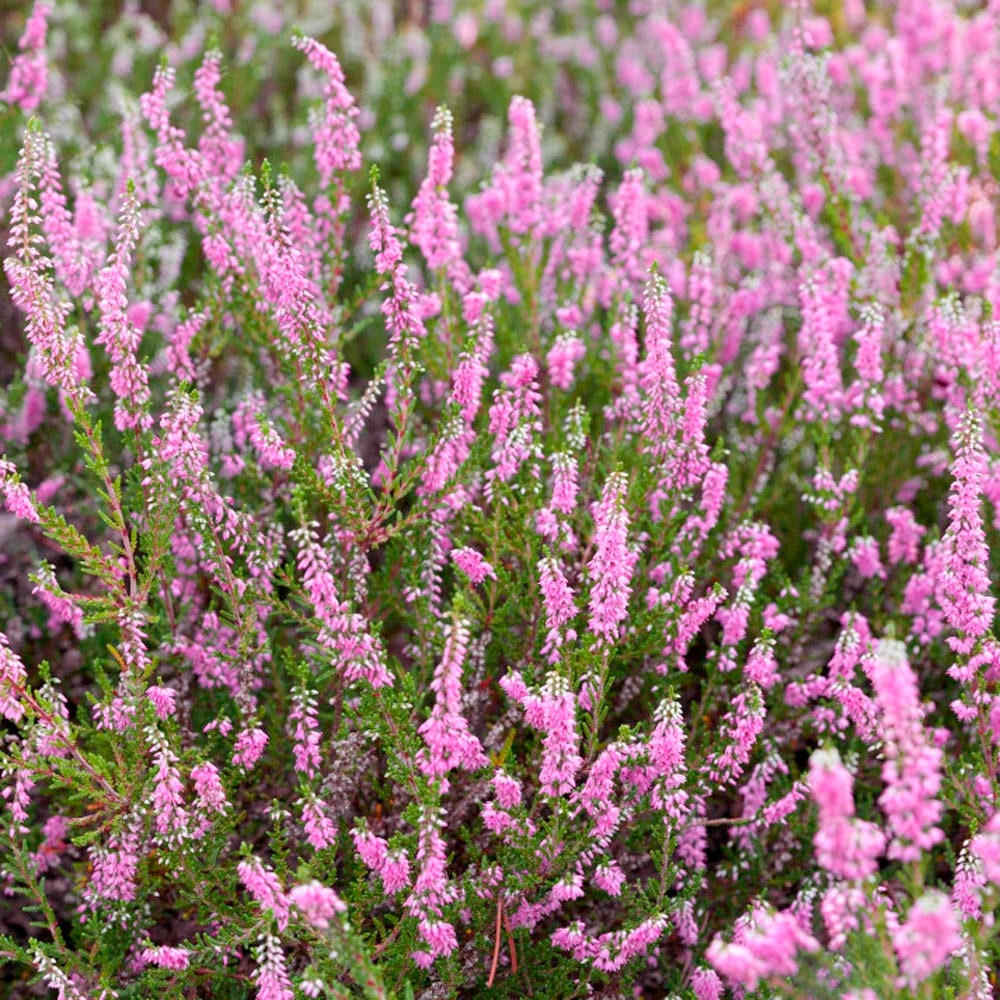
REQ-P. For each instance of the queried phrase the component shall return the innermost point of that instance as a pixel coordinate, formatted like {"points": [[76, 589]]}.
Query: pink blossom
{"points": [[434, 219], [610, 567], [17, 496], [904, 540], [163, 700], [264, 887], [473, 565], [845, 846], [768, 947], [560, 607], [249, 747], [449, 741], [927, 939], [271, 974], [118, 334], [912, 770], [29, 73], [965, 592], [166, 957], [318, 904], [335, 132]]}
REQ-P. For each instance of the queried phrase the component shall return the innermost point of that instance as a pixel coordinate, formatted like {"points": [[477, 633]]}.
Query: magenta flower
{"points": [[610, 567], [29, 74], [927, 939], [446, 733], [473, 565], [319, 905]]}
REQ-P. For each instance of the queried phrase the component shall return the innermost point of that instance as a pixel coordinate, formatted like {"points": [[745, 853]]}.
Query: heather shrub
{"points": [[499, 501]]}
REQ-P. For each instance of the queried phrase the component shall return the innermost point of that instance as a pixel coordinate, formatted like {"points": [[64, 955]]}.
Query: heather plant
{"points": [[434, 566]]}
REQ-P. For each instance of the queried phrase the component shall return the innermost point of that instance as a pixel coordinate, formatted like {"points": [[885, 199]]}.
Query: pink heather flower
{"points": [[251, 425], [166, 957], [434, 219], [985, 847], [564, 483], [432, 892], [823, 298], [561, 359], [630, 233], [515, 421], [610, 567], [970, 880], [904, 540], [928, 938], [610, 878], [392, 867], [170, 819], [118, 334], [55, 350], [403, 318], [163, 700], [767, 948], [740, 728], [514, 196], [17, 496], [345, 636], [71, 264], [449, 741], [560, 607], [305, 732], [865, 555], [912, 770], [12, 682], [553, 712], [507, 790], [29, 75], [221, 152], [319, 905], [265, 888], [706, 985], [845, 846], [667, 767], [114, 867], [54, 832], [473, 565], [271, 975], [249, 747], [335, 132], [965, 591], [54, 977], [208, 788], [321, 831], [661, 408]]}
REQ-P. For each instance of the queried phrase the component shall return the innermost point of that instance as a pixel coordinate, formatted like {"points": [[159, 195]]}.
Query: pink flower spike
{"points": [[264, 887], [928, 938], [610, 567], [166, 957], [335, 132], [319, 905], [473, 565], [249, 747], [29, 75]]}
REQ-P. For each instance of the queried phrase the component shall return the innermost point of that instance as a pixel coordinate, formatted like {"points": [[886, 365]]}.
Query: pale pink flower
{"points": [[29, 74], [319, 905], [610, 567], [473, 565], [166, 957], [927, 939], [264, 887]]}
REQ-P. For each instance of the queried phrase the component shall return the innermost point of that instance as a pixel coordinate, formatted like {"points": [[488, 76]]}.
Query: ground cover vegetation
{"points": [[499, 499]]}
